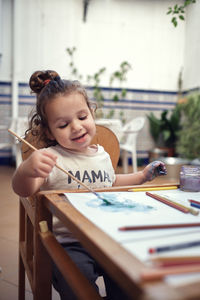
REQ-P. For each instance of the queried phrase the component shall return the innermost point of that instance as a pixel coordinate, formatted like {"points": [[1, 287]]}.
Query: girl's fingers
{"points": [[41, 162], [48, 154], [48, 160], [43, 170], [159, 168], [156, 168]]}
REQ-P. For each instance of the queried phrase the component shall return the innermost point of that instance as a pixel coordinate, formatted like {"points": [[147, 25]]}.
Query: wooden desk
{"points": [[120, 264]]}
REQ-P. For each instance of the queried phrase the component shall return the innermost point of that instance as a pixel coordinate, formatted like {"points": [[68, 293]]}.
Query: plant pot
{"points": [[156, 153]]}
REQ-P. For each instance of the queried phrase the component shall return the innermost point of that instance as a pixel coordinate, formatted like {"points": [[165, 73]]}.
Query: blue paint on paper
{"points": [[118, 203]]}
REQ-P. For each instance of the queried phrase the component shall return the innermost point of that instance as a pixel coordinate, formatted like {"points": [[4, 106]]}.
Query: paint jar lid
{"points": [[190, 178]]}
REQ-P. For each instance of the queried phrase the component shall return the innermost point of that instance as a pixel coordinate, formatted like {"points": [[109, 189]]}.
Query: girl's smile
{"points": [[80, 139], [70, 122]]}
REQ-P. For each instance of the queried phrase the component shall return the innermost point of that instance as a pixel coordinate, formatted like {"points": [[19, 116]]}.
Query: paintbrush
{"points": [[63, 170]]}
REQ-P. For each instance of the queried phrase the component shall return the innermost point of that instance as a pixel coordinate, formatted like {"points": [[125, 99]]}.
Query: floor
{"points": [[9, 236], [9, 240]]}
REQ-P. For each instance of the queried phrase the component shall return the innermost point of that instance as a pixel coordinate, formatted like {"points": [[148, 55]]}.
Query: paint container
{"points": [[190, 178]]}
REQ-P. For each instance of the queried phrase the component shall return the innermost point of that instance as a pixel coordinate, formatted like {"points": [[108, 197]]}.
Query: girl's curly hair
{"points": [[47, 85]]}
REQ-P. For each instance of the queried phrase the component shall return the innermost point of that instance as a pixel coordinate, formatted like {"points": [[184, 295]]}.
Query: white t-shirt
{"points": [[94, 170]]}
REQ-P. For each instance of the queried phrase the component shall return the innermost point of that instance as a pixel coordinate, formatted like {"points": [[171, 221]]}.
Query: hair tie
{"points": [[46, 81]]}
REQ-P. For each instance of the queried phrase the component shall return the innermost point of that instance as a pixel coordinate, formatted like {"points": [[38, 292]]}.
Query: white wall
{"points": [[6, 42], [138, 31], [191, 71]]}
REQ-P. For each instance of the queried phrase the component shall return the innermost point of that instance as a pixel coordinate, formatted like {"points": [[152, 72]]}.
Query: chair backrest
{"points": [[131, 130], [104, 137]]}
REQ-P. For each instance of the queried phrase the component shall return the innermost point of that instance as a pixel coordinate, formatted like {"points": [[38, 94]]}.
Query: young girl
{"points": [[66, 124]]}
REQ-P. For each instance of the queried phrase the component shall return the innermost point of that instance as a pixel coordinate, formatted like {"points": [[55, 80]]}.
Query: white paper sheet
{"points": [[147, 211]]}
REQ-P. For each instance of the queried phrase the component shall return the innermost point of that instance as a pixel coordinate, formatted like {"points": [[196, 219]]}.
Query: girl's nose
{"points": [[76, 125]]}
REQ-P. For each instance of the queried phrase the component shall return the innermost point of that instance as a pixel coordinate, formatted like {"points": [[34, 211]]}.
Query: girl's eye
{"points": [[63, 126], [82, 118]]}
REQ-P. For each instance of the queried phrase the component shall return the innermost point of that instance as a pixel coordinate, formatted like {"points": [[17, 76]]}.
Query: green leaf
{"points": [[169, 11], [174, 21], [123, 93], [89, 78], [181, 17], [166, 135], [115, 98], [155, 126]]}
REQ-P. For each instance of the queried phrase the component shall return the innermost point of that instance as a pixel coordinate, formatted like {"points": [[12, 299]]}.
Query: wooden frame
{"points": [[122, 266]]}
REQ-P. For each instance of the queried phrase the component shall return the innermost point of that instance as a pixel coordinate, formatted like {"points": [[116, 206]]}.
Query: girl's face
{"points": [[71, 122]]}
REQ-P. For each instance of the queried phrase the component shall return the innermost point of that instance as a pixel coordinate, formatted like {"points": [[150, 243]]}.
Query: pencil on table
{"points": [[195, 204], [194, 201], [144, 189], [173, 204], [149, 274], [173, 247], [169, 261], [158, 226]]}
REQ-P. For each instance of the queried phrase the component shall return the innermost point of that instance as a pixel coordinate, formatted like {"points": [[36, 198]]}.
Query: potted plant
{"points": [[164, 129], [188, 142]]}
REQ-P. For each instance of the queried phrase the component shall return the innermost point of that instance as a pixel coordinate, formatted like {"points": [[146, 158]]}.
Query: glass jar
{"points": [[190, 178]]}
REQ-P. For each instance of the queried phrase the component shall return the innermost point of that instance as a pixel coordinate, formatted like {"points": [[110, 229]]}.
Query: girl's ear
{"points": [[93, 108], [93, 113]]}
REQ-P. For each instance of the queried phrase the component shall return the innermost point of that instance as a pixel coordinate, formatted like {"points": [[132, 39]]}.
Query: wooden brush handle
{"points": [[57, 166]]}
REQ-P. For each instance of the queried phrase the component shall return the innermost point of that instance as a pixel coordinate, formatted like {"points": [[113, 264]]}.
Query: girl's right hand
{"points": [[151, 170], [39, 164]]}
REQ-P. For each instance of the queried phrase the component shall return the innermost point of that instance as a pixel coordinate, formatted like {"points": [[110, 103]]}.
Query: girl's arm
{"points": [[148, 174], [30, 175]]}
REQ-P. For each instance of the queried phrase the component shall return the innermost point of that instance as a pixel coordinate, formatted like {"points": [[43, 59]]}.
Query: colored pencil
{"points": [[149, 274], [174, 247], [173, 204], [169, 261], [195, 205], [153, 188], [161, 226], [194, 201]]}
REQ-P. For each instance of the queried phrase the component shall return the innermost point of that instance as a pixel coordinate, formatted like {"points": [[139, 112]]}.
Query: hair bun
{"points": [[38, 78]]}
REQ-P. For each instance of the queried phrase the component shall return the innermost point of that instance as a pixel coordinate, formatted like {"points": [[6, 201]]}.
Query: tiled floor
{"points": [[9, 237], [9, 240]]}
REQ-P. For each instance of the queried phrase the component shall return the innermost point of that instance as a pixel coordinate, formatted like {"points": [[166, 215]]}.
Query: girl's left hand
{"points": [[154, 169]]}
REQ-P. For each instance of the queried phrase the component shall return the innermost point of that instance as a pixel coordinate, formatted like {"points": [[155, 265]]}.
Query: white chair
{"points": [[19, 125], [129, 141], [114, 125]]}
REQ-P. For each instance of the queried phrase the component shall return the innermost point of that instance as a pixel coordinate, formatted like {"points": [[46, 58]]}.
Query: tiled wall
{"points": [[136, 103]]}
